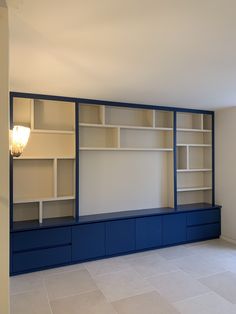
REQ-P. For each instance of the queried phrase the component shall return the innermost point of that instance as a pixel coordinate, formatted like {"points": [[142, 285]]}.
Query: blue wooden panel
{"points": [[88, 241], [203, 217], [203, 232], [26, 261], [148, 232], [120, 236], [174, 229], [27, 240]]}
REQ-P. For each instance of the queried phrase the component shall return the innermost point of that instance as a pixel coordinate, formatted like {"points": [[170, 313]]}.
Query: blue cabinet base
{"points": [[58, 246]]}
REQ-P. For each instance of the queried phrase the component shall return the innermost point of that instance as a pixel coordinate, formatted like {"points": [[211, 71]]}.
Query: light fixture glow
{"points": [[19, 137]]}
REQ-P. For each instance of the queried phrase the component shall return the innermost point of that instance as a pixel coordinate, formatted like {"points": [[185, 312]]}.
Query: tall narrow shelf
{"points": [[194, 158], [44, 176]]}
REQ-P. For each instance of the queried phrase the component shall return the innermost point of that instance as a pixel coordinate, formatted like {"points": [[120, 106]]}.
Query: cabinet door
{"points": [[38, 259], [37, 239], [120, 236], [88, 241], [203, 217], [174, 229], [148, 232], [203, 232]]}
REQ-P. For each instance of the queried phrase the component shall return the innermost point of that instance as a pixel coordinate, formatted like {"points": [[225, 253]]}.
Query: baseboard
{"points": [[228, 239]]}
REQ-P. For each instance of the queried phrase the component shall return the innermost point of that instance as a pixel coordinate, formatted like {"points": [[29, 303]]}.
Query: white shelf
{"points": [[125, 127], [52, 131], [44, 199], [42, 158], [194, 170], [127, 149], [189, 189], [194, 145], [193, 130]]}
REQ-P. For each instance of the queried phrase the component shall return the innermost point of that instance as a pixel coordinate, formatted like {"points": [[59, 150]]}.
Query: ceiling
{"points": [[166, 52]]}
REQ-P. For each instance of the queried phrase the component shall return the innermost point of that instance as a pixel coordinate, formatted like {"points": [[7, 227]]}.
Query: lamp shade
{"points": [[19, 137]]}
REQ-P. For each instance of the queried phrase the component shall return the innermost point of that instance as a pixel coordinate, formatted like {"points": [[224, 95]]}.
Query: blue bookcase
{"points": [[100, 178]]}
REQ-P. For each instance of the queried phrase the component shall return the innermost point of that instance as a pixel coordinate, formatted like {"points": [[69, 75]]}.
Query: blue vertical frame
{"points": [[175, 158], [76, 161], [11, 165], [213, 156]]}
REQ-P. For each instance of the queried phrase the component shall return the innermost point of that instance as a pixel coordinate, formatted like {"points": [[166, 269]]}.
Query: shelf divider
{"points": [[40, 212], [55, 176]]}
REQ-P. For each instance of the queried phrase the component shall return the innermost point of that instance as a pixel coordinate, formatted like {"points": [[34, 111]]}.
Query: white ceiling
{"points": [[166, 52]]}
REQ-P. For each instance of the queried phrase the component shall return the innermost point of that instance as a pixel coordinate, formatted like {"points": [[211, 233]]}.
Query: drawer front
{"points": [[148, 232], [174, 229], [203, 217], [203, 232], [37, 259], [120, 236], [27, 240], [88, 241]]}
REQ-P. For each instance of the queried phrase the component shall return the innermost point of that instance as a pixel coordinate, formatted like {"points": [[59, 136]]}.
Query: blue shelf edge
{"points": [[70, 221]]}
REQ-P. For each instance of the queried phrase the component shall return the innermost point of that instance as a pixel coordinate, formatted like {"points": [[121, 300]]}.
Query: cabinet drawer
{"points": [[120, 236], [203, 217], [27, 240], [148, 232], [88, 241], [203, 232], [174, 229], [36, 259]]}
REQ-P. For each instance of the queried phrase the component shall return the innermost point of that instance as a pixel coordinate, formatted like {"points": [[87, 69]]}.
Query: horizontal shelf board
{"points": [[43, 199], [60, 221], [194, 170], [194, 145], [125, 127], [196, 206], [189, 189], [128, 149], [52, 131], [194, 130], [43, 158], [48, 222]]}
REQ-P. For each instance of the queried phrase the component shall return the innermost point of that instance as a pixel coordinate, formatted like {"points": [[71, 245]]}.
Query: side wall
{"points": [[4, 172], [226, 169]]}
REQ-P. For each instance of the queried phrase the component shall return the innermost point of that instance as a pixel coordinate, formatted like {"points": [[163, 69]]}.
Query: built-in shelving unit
{"points": [[194, 158], [115, 142], [44, 176], [99, 179]]}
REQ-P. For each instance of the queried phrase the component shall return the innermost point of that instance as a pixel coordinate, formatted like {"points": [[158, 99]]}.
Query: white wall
{"points": [[124, 180], [171, 52], [226, 169], [4, 173]]}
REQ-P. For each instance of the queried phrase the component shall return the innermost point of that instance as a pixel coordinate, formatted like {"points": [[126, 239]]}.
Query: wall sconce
{"points": [[19, 137]]}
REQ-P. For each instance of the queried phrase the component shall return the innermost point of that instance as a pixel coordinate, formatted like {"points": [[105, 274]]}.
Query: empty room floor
{"points": [[189, 279]]}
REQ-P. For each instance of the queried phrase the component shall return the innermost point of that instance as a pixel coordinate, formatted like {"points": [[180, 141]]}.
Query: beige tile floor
{"points": [[198, 278]]}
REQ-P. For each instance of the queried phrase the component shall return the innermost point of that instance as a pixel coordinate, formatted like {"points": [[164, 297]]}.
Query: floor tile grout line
{"points": [[213, 274], [46, 291], [60, 272], [74, 295], [223, 272], [106, 273], [109, 302], [161, 274], [194, 297]]}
